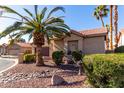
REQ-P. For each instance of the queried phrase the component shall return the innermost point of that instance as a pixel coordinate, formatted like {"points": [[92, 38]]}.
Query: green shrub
{"points": [[77, 55], [119, 49], [57, 57], [105, 70], [29, 58]]}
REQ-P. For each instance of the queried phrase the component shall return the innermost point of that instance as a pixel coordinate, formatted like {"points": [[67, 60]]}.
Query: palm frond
{"points": [[58, 30], [29, 13], [30, 37], [36, 11], [11, 18], [16, 26], [42, 14], [53, 20], [55, 10], [61, 25]]}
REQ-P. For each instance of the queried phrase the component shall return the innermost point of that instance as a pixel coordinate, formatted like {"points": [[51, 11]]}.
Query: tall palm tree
{"points": [[38, 26], [100, 12], [116, 25], [111, 27]]}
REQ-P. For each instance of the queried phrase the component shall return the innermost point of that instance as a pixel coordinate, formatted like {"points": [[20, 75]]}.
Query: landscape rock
{"points": [[57, 80]]}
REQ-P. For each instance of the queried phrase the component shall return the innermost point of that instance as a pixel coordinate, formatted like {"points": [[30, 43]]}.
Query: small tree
{"points": [[78, 59]]}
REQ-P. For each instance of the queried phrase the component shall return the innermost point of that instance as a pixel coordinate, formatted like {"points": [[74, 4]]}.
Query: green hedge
{"points": [[119, 49], [29, 58], [57, 57], [77, 55], [105, 70]]}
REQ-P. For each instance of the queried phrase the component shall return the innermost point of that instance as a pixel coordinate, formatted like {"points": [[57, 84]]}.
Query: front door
{"points": [[73, 45]]}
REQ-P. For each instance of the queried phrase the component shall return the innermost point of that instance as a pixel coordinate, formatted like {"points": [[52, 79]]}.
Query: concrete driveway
{"points": [[7, 63]]}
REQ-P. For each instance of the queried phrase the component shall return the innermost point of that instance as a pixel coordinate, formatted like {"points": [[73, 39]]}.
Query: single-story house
{"points": [[3, 49], [17, 48], [88, 41]]}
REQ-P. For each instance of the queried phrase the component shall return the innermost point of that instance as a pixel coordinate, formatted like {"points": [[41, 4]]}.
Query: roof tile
{"points": [[97, 31], [24, 44]]}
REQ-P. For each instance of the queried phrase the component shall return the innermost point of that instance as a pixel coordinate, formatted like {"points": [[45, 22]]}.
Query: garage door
{"points": [[94, 45], [13, 52], [73, 45]]}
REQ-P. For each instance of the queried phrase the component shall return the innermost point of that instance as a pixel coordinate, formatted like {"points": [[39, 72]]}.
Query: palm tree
{"points": [[100, 12], [116, 25], [111, 27], [38, 26]]}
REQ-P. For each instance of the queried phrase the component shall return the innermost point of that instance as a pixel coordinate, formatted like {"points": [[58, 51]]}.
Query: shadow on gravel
{"points": [[69, 67], [51, 66], [67, 84]]}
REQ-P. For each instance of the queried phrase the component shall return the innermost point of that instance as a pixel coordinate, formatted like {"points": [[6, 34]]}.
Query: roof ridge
{"points": [[91, 29]]}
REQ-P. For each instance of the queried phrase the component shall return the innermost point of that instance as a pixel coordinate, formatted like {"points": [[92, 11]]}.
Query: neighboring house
{"points": [[3, 49], [88, 41], [121, 42], [17, 48]]}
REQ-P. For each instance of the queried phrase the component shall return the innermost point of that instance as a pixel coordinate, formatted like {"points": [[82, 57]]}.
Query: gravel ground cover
{"points": [[30, 76]]}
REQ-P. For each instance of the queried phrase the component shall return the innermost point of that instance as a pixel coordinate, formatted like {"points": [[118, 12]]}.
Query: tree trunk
{"points": [[107, 37], [111, 32], [107, 42], [102, 21], [80, 71], [39, 57], [38, 40], [116, 25]]}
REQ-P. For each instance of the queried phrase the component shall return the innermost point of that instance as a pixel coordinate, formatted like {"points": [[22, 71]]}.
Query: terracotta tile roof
{"points": [[94, 32], [76, 32], [24, 44], [122, 31]]}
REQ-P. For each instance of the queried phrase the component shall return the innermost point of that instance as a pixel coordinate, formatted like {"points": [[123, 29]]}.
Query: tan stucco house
{"points": [[17, 48], [89, 41]]}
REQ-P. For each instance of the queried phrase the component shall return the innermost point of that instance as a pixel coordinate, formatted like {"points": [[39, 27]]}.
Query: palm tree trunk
{"points": [[107, 38], [107, 41], [116, 25], [102, 21], [111, 32], [38, 40], [39, 57]]}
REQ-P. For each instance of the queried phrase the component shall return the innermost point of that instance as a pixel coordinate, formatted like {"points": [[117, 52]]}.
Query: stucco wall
{"points": [[56, 45], [22, 50], [94, 45], [15, 49], [121, 42], [89, 45], [72, 38]]}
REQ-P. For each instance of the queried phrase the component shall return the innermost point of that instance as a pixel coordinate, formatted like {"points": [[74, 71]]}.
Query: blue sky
{"points": [[78, 17]]}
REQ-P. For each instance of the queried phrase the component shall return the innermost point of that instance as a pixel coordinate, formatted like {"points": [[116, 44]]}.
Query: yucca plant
{"points": [[37, 25]]}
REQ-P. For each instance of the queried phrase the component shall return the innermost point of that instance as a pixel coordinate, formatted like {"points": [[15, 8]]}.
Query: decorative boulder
{"points": [[57, 80]]}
